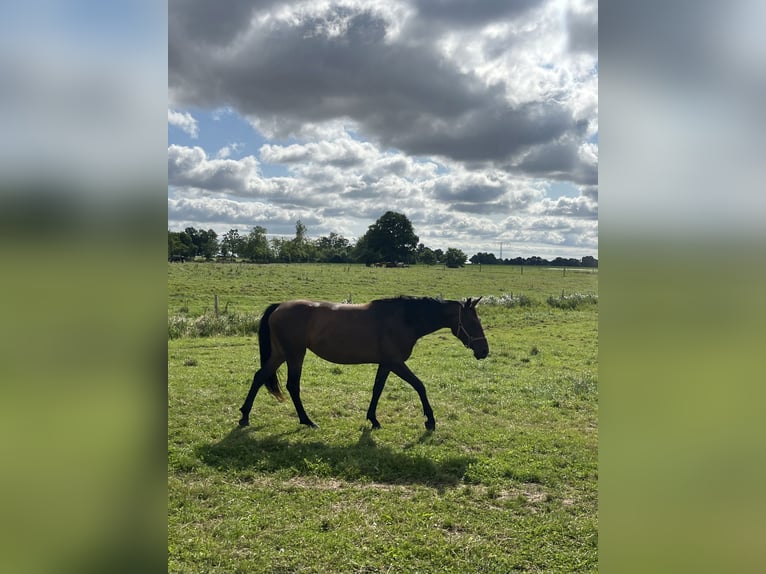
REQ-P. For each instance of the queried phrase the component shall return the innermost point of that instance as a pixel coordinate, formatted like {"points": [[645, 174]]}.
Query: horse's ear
{"points": [[476, 302], [467, 303]]}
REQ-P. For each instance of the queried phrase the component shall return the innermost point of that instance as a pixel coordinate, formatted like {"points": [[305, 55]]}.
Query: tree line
{"points": [[490, 259], [391, 239]]}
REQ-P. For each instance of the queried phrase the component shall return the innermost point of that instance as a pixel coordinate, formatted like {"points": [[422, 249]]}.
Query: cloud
{"points": [[184, 121], [345, 152], [569, 207], [463, 13], [458, 115], [191, 167], [582, 26], [306, 65]]}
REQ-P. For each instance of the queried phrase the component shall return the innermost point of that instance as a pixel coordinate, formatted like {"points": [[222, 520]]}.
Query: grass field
{"points": [[508, 481]]}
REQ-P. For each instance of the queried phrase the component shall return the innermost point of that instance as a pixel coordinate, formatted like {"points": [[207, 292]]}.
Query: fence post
{"points": [[215, 304]]}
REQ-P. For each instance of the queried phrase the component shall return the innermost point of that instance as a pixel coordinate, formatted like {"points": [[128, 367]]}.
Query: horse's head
{"points": [[468, 328]]}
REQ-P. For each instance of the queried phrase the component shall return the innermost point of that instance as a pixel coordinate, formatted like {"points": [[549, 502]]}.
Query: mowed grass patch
{"points": [[508, 481]]}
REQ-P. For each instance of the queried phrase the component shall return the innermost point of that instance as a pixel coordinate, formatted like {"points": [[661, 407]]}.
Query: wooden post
{"points": [[215, 304]]}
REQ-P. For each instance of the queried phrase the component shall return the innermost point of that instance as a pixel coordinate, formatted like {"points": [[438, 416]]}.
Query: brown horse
{"points": [[382, 332]]}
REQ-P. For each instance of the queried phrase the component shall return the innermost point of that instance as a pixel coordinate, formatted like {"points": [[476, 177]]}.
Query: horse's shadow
{"points": [[244, 449]]}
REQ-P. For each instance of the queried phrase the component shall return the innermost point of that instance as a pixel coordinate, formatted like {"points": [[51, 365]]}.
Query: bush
{"points": [[506, 300], [573, 300], [209, 325]]}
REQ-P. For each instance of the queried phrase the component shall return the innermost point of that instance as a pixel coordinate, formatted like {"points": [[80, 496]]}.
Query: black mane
{"points": [[422, 314]]}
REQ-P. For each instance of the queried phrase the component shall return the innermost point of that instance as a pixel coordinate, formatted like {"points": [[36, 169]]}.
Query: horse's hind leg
{"points": [[294, 370], [259, 379], [377, 389], [404, 372]]}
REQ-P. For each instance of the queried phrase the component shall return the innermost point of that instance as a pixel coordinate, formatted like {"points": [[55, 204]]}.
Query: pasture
{"points": [[507, 482]]}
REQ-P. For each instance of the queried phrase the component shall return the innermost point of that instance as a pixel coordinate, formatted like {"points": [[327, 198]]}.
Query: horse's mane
{"points": [[418, 311], [410, 302]]}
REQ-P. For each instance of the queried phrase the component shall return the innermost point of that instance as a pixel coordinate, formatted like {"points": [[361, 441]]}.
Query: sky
{"points": [[478, 121]]}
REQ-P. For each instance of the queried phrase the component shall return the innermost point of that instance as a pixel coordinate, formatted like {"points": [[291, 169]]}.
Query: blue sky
{"points": [[481, 130]]}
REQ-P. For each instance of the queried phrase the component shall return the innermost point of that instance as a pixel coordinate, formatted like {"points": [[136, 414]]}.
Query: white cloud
{"points": [[184, 121]]}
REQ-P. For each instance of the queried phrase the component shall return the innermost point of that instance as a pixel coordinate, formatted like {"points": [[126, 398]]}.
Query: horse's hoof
{"points": [[311, 424], [375, 423], [244, 423], [431, 425]]}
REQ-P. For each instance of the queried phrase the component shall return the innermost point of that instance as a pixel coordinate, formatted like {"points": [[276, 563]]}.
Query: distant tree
{"points": [[255, 246], [298, 249], [180, 245], [276, 247], [333, 248], [439, 254], [427, 256], [194, 237], [390, 238], [454, 257], [482, 258], [589, 261], [565, 262], [207, 243], [300, 232], [231, 243]]}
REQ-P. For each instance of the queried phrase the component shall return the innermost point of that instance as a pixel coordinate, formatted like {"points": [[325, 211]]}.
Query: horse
{"points": [[383, 331]]}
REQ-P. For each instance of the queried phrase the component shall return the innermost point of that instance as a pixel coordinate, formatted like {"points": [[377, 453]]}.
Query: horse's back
{"points": [[337, 332]]}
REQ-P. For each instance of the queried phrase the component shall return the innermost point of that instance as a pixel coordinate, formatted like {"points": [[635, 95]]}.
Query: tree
{"points": [[482, 258], [300, 232], [207, 243], [333, 248], [427, 256], [454, 257], [589, 261], [390, 238], [255, 246], [231, 243], [297, 249], [180, 245]]}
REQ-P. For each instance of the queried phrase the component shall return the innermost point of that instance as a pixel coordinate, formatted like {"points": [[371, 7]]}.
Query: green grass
{"points": [[248, 288], [508, 481]]}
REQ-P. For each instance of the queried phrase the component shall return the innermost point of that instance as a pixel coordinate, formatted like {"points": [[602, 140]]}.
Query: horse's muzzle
{"points": [[480, 353]]}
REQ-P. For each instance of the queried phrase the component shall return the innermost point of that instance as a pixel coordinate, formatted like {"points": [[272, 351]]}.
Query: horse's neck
{"points": [[439, 319]]}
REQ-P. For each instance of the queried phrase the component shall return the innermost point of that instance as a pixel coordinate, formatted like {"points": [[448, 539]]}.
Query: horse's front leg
{"points": [[294, 369], [404, 372], [377, 389]]}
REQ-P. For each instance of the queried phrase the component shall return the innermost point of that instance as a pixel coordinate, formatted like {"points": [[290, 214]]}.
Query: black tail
{"points": [[264, 343]]}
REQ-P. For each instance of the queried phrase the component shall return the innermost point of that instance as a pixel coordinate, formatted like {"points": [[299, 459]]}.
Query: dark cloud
{"points": [[211, 22], [342, 64], [489, 208], [462, 13], [466, 192], [582, 30], [559, 160], [590, 191]]}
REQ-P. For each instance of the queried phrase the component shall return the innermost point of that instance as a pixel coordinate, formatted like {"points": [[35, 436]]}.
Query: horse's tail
{"points": [[264, 343]]}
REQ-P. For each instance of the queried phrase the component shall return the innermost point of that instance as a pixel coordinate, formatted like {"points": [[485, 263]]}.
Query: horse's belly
{"points": [[345, 350]]}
